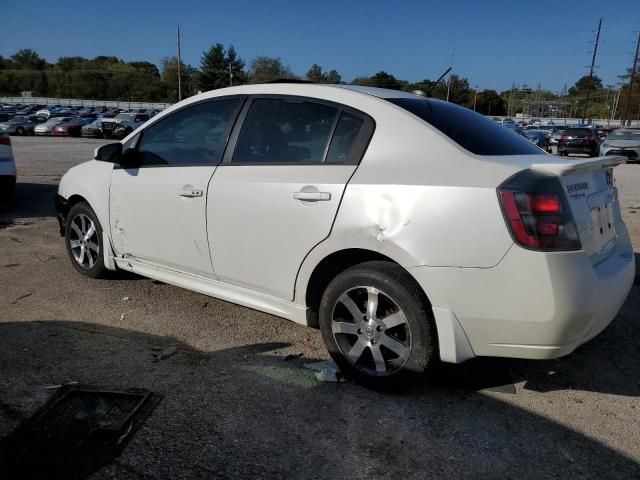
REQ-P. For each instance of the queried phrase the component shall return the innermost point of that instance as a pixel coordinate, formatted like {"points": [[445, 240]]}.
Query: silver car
{"points": [[18, 126], [624, 141]]}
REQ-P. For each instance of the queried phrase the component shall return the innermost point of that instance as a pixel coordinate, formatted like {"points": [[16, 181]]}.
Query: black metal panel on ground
{"points": [[76, 432]]}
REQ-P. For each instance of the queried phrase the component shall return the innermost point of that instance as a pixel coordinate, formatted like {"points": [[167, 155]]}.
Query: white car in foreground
{"points": [[7, 168], [408, 229]]}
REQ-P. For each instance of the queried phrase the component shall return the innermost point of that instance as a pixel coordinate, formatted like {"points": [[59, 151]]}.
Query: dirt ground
{"points": [[233, 407]]}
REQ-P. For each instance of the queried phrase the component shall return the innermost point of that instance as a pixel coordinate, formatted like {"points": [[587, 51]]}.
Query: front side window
{"points": [[284, 131], [192, 136]]}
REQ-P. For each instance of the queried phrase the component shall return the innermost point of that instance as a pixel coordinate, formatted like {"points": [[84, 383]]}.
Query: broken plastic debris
{"points": [[166, 353], [325, 371], [126, 299]]}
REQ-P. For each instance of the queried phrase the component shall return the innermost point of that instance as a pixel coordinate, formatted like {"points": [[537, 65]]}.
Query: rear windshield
{"points": [[472, 131], [578, 132]]}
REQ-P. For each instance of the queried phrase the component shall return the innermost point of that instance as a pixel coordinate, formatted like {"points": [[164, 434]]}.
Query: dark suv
{"points": [[579, 140]]}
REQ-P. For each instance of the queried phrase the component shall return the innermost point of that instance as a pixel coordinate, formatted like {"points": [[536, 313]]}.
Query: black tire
{"points": [[417, 330], [91, 262], [20, 131]]}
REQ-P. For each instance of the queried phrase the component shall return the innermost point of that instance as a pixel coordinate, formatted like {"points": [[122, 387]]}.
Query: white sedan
{"points": [[7, 168], [408, 229]]}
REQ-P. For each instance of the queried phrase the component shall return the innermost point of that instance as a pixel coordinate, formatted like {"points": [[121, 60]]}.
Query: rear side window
{"points": [[284, 131], [192, 136], [350, 139], [470, 130]]}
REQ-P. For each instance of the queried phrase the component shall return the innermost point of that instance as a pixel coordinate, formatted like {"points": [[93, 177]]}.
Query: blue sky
{"points": [[496, 42]]}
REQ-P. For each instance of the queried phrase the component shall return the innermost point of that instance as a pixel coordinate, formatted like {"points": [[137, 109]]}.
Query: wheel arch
{"points": [[333, 264]]}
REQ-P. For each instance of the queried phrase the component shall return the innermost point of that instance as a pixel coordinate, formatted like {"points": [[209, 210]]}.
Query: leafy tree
{"points": [[235, 65], [490, 103], [265, 69], [27, 59], [583, 82], [214, 73], [315, 74], [381, 79]]}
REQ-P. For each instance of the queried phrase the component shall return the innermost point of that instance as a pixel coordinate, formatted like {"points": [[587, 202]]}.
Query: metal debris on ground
{"points": [[166, 353], [68, 384], [326, 371], [28, 294], [78, 431]]}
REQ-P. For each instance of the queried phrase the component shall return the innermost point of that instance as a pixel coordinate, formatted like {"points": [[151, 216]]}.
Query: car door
{"points": [[276, 194], [157, 207]]}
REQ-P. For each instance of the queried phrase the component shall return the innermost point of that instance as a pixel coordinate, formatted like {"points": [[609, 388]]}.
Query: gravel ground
{"points": [[234, 408]]}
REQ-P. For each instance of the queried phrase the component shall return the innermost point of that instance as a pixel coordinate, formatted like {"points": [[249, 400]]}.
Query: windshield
{"points": [[472, 131], [624, 135]]}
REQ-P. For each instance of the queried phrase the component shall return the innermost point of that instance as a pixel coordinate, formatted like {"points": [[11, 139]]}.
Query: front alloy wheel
{"points": [[83, 238], [83, 241]]}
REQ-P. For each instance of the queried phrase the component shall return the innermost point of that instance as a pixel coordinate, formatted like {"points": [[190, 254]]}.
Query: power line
{"points": [[633, 74], [593, 63]]}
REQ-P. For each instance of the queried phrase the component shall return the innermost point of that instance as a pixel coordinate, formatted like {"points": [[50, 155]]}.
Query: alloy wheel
{"points": [[371, 331], [84, 242]]}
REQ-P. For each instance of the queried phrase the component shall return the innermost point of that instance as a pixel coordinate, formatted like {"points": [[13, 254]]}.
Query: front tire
{"points": [[83, 239], [377, 325]]}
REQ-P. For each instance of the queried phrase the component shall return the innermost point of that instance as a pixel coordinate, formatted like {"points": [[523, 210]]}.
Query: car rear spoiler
{"points": [[573, 166]]}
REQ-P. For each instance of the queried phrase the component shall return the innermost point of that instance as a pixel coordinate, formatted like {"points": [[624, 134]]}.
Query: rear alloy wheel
{"points": [[377, 325], [84, 241]]}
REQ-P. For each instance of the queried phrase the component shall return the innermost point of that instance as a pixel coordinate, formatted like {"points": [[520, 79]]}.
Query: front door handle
{"points": [[312, 196], [190, 193]]}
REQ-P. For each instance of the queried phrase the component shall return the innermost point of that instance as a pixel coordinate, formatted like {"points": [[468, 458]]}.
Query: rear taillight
{"points": [[564, 137], [5, 140], [588, 138], [537, 213]]}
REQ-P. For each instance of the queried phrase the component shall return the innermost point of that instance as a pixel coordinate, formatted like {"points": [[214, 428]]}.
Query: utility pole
{"points": [[593, 64], [230, 76], [513, 87], [633, 75], [616, 103], [179, 74], [453, 52], [475, 99]]}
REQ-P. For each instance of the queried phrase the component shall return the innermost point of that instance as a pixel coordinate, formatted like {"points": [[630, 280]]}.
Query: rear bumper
{"points": [[534, 305], [582, 149]]}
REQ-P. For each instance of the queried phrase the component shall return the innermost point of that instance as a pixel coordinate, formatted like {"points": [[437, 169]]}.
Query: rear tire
{"points": [[377, 325], [20, 131], [83, 239]]}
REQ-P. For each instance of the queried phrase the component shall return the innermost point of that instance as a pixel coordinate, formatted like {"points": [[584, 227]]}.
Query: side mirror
{"points": [[108, 153]]}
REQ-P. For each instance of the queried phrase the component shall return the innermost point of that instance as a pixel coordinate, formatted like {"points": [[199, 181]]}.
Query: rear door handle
{"points": [[190, 193], [312, 196]]}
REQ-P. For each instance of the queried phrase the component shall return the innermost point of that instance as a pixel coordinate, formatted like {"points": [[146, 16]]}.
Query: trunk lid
{"points": [[589, 186]]}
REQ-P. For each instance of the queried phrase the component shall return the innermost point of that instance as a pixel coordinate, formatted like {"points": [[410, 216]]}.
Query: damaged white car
{"points": [[408, 229]]}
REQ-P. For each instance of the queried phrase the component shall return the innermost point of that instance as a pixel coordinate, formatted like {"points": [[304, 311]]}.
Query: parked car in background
{"points": [[350, 208], [554, 137], [70, 128], [5, 117], [18, 125], [7, 168], [46, 128], [579, 140], [122, 124], [539, 138], [93, 129], [623, 141]]}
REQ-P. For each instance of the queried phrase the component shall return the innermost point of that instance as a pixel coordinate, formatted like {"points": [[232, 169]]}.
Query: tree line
{"points": [[111, 78]]}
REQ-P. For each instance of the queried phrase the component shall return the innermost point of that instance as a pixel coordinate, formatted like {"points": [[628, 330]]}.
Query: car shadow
{"points": [[31, 200], [244, 412]]}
